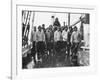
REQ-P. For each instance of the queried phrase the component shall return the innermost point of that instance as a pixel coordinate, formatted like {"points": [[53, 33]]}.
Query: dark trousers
{"points": [[58, 49], [64, 44], [68, 48], [33, 50], [49, 45], [40, 49], [74, 59], [58, 46], [75, 48]]}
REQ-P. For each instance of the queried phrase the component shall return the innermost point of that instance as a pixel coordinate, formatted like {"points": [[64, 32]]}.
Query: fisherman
{"points": [[65, 38], [57, 23], [43, 29], [75, 41], [48, 40], [33, 40], [40, 38], [57, 40]]}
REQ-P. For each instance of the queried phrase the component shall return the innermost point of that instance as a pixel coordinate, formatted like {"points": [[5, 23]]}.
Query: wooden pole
{"points": [[68, 19], [33, 19]]}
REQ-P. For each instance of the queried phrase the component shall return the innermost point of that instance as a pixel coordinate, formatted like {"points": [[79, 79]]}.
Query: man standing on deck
{"points": [[33, 40], [75, 40], [58, 41], [65, 38], [40, 38]]}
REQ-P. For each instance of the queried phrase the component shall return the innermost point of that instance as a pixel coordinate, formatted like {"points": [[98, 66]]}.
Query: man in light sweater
{"points": [[65, 36], [40, 38], [75, 40], [65, 39], [33, 40], [57, 40]]}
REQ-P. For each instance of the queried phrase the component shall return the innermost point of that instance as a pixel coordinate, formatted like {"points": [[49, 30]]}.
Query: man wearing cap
{"points": [[57, 40], [75, 40], [33, 40], [44, 31], [40, 38], [65, 38]]}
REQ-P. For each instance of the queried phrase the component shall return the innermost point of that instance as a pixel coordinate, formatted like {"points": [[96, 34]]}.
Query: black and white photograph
{"points": [[55, 39], [50, 40]]}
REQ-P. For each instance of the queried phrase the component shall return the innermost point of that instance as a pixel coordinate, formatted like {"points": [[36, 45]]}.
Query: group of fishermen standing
{"points": [[55, 41]]}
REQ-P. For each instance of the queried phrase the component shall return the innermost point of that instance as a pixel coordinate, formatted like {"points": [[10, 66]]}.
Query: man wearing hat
{"points": [[75, 40], [65, 37], [33, 40], [57, 40], [40, 38]]}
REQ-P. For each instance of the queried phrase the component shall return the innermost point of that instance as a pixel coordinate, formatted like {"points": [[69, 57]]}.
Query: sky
{"points": [[45, 18]]}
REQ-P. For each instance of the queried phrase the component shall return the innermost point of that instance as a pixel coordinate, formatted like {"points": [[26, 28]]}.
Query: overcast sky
{"points": [[45, 18]]}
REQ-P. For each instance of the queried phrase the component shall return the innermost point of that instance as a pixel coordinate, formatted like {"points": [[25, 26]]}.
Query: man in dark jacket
{"points": [[56, 23]]}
